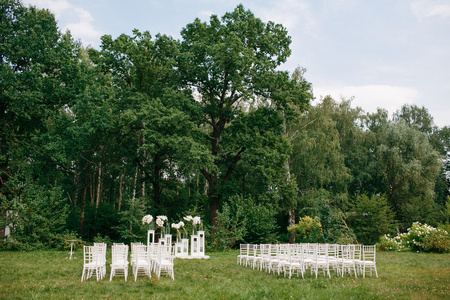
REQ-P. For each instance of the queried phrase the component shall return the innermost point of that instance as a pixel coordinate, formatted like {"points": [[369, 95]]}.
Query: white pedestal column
{"points": [[198, 245], [150, 237]]}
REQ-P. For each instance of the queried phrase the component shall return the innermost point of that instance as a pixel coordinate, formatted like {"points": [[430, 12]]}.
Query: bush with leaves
{"points": [[388, 243], [423, 237], [420, 237], [322, 204], [230, 227], [244, 220], [307, 230], [130, 227], [36, 217], [370, 218]]}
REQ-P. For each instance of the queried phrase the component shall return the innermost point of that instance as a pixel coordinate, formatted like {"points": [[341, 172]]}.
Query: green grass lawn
{"points": [[50, 275]]}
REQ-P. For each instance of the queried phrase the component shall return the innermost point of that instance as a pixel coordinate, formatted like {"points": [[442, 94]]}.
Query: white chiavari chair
{"points": [[368, 261], [119, 261]]}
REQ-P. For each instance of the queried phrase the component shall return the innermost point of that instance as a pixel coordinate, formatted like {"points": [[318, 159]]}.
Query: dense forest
{"points": [[92, 140]]}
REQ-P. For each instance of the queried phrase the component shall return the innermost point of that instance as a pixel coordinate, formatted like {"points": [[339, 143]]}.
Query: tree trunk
{"points": [[135, 183], [214, 204], [291, 222], [143, 188], [76, 183], [120, 191], [287, 166], [99, 185], [157, 181], [91, 188]]}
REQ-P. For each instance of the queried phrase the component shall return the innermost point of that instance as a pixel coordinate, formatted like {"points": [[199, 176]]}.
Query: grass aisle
{"points": [[49, 275]]}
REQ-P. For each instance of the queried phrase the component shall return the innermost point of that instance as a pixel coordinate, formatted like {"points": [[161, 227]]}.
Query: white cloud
{"points": [[290, 13], [78, 20], [371, 97], [431, 8], [205, 15]]}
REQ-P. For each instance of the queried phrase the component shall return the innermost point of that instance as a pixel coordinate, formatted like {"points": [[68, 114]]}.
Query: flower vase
{"points": [[167, 228]]}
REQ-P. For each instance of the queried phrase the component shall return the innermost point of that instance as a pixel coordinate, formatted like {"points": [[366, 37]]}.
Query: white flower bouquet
{"points": [[148, 219]]}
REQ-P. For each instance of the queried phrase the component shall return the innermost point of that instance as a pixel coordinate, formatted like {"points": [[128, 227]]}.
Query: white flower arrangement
{"points": [[159, 222], [188, 218], [178, 226], [147, 219], [163, 218], [196, 221]]}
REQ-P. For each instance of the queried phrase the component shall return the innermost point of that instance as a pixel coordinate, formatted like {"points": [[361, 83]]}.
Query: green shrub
{"points": [[308, 230], [420, 237], [37, 218], [230, 227], [423, 237], [102, 239], [322, 204], [243, 220], [387, 243], [436, 242], [370, 218]]}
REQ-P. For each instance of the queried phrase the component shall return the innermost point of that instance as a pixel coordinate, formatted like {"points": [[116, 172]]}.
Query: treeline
{"points": [[92, 140]]}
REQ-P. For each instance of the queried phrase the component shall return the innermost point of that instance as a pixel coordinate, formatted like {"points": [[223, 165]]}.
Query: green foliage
{"points": [[317, 160], [436, 241], [419, 237], [409, 166], [103, 221], [243, 220], [37, 217], [232, 63], [102, 239], [230, 228], [324, 205], [422, 237], [370, 218], [188, 125], [130, 227], [308, 230], [388, 243]]}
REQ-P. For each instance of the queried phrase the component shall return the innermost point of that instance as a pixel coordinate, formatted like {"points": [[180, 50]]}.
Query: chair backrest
{"points": [[139, 253], [333, 251], [322, 252], [368, 253], [119, 253], [243, 249], [311, 250], [152, 250], [265, 250], [356, 251], [100, 249], [273, 250], [165, 252], [88, 254], [256, 250], [283, 251]]}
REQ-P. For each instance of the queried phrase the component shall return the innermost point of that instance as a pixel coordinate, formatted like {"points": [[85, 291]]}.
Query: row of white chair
{"points": [[156, 258], [297, 258], [94, 261]]}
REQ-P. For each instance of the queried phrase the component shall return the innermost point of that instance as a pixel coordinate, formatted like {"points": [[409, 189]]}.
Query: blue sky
{"points": [[382, 53]]}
